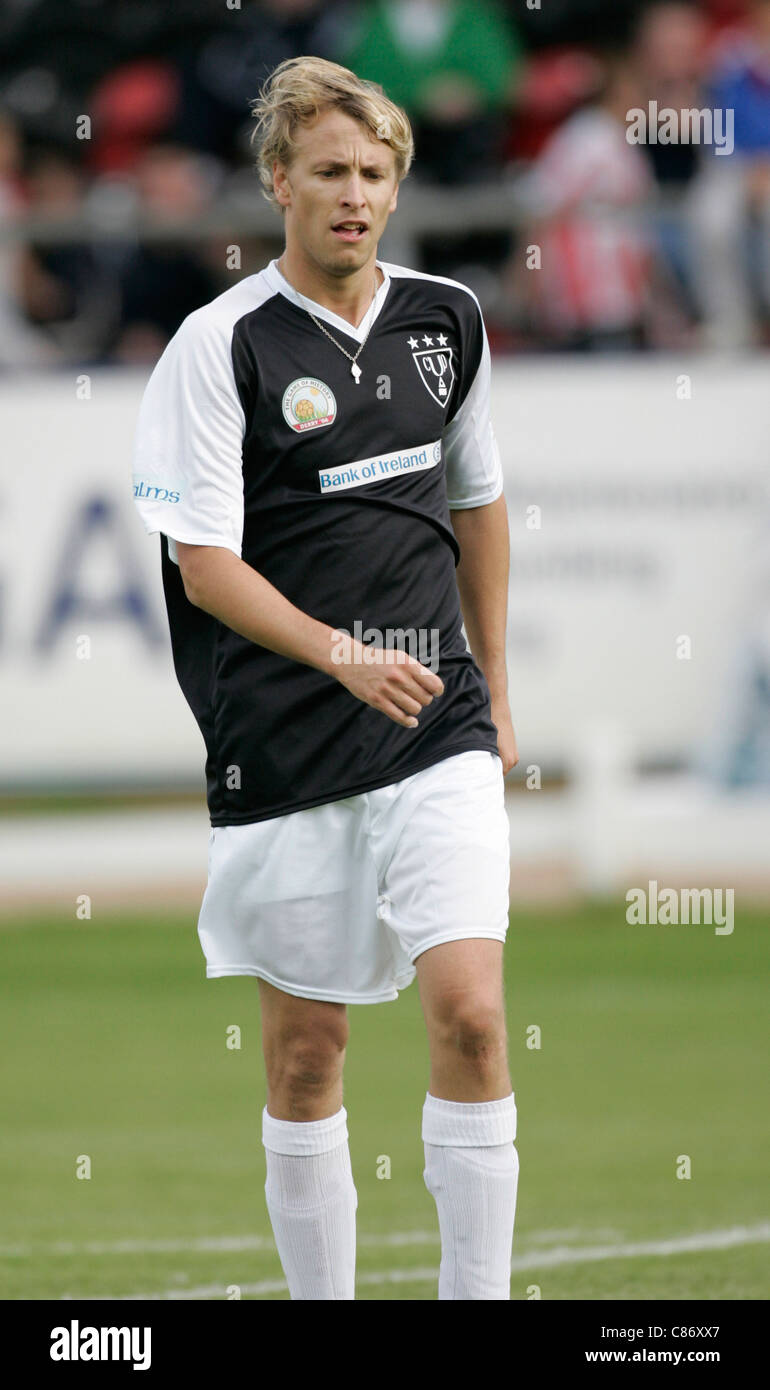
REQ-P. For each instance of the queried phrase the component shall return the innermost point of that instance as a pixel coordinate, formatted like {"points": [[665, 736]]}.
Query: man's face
{"points": [[338, 192]]}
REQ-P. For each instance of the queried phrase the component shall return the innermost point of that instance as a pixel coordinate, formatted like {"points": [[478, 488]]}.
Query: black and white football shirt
{"points": [[254, 435]]}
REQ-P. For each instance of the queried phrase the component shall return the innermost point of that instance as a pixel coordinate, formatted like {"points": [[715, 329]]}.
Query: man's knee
{"points": [[473, 1026], [305, 1056], [309, 1064]]}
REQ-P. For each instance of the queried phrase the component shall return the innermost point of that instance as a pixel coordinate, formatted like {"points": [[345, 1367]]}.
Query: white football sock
{"points": [[311, 1200], [472, 1172]]}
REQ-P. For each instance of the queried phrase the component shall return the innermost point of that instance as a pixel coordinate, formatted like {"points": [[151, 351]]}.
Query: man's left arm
{"points": [[479, 518], [482, 581]]}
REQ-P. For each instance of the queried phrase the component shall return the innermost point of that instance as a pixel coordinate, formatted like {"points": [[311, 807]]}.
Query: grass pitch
{"points": [[651, 1049]]}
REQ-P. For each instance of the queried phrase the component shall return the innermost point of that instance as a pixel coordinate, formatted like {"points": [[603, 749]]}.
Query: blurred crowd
{"points": [[109, 110]]}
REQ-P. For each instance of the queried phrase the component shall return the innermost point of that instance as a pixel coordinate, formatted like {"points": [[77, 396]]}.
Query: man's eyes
{"points": [[368, 173]]}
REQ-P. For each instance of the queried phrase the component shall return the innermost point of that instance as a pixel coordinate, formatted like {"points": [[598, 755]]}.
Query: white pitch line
{"points": [[199, 1244], [679, 1245], [266, 1286], [542, 1259], [171, 1245]]}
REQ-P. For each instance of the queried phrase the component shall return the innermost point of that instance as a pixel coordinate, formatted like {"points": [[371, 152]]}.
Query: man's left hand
{"points": [[506, 737]]}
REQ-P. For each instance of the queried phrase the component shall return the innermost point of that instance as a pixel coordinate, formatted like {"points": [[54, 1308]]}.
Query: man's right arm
{"points": [[188, 484], [222, 584]]}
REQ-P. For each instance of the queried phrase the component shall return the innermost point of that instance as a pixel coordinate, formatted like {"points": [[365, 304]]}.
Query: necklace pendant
{"points": [[355, 371]]}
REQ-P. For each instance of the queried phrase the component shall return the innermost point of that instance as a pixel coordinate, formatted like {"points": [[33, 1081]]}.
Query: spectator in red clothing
{"points": [[584, 275]]}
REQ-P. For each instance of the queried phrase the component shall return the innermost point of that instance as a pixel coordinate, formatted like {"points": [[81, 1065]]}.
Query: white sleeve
{"points": [[473, 470], [188, 465]]}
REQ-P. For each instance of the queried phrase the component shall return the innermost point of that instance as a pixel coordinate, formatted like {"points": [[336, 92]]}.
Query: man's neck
{"points": [[348, 296]]}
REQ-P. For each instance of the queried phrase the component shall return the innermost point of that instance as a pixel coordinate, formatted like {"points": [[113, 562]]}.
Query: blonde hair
{"points": [[298, 90]]}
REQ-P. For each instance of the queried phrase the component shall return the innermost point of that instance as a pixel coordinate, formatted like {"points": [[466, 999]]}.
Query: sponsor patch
{"points": [[150, 490], [379, 466], [308, 404]]}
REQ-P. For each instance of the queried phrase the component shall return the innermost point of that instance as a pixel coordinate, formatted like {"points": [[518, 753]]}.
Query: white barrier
{"points": [[653, 512], [629, 604]]}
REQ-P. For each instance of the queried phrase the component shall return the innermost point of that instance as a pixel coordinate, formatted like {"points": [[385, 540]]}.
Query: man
{"points": [[301, 443]]}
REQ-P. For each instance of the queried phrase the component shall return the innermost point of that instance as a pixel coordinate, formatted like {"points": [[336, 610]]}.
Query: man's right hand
{"points": [[221, 583], [389, 680]]}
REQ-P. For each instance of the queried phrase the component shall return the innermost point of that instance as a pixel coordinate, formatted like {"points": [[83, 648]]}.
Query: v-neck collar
{"points": [[320, 311]]}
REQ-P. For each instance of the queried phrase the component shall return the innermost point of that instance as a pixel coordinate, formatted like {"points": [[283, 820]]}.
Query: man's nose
{"points": [[353, 192]]}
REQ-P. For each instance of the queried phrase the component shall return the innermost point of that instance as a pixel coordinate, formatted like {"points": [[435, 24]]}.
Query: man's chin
{"points": [[347, 258]]}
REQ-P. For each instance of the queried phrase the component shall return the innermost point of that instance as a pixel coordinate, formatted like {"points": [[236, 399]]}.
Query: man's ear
{"points": [[394, 199], [281, 187]]}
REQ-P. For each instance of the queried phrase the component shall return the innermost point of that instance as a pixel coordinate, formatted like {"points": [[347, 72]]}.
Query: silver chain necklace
{"points": [[355, 370]]}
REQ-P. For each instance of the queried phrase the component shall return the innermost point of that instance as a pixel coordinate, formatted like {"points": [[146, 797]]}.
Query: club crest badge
{"points": [[308, 404], [437, 373]]}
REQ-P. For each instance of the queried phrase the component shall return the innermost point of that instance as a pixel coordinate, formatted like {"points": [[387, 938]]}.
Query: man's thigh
{"points": [[443, 853], [461, 991], [290, 1020], [304, 1042], [293, 900], [462, 980]]}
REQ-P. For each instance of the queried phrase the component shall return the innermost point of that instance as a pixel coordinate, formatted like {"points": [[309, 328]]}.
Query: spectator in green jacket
{"points": [[453, 64]]}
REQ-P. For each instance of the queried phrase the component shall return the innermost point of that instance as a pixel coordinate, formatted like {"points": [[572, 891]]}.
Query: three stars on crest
{"points": [[441, 339]]}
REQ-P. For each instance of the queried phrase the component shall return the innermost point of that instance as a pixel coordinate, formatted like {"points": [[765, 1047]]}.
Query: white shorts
{"points": [[336, 902]]}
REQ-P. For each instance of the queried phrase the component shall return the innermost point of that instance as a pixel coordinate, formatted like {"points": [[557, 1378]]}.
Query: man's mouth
{"points": [[350, 230]]}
